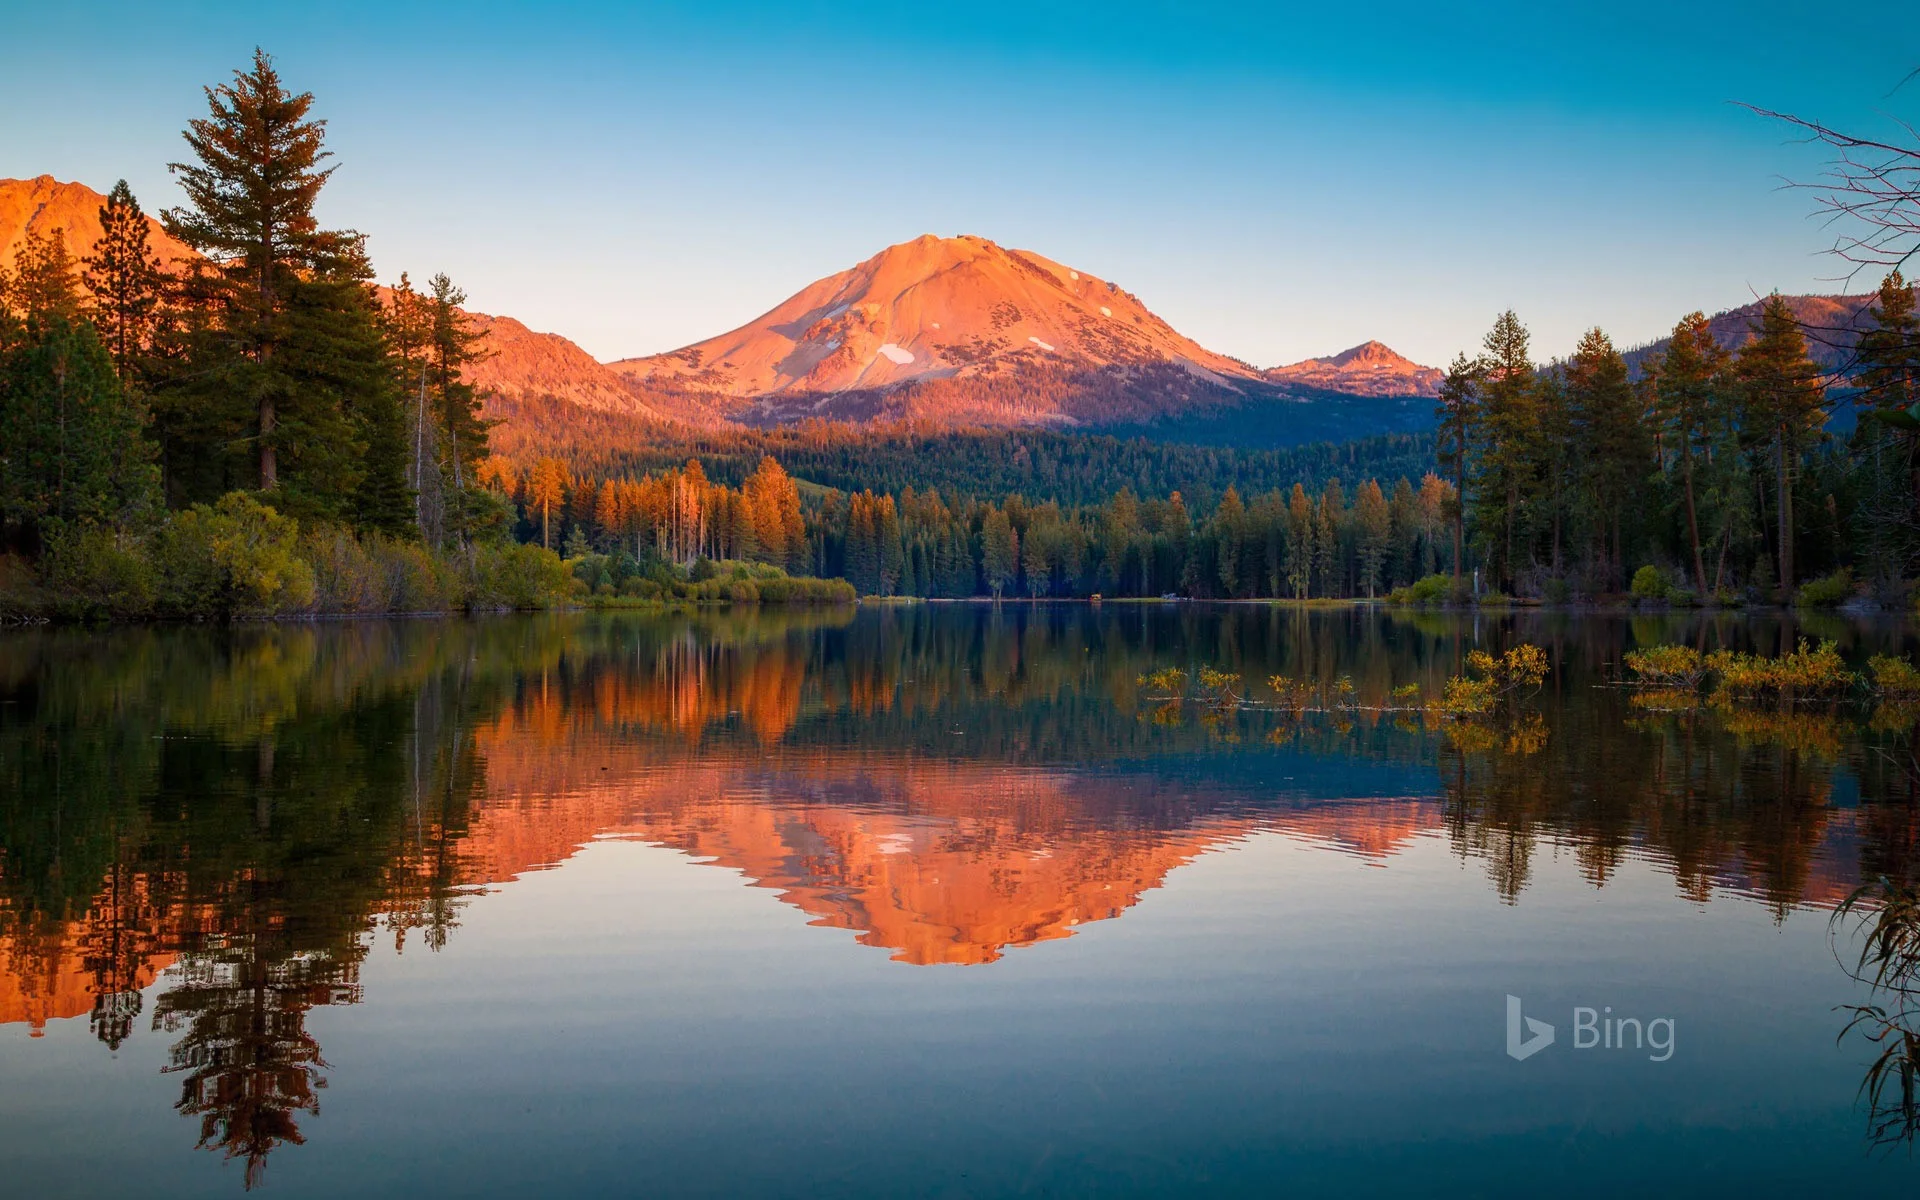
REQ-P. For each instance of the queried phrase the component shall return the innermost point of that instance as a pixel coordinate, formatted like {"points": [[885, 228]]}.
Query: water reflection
{"points": [[231, 819]]}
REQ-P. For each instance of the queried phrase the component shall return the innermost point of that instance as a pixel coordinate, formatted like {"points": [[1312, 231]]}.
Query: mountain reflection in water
{"points": [[208, 830]]}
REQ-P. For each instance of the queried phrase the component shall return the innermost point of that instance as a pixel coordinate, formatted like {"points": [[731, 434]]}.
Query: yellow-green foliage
{"points": [[1651, 583], [240, 557], [1493, 682], [1804, 673], [1894, 678], [1826, 592], [1407, 691], [1807, 732], [1219, 687], [1434, 589], [515, 576], [1680, 667], [1171, 681], [1292, 695], [1466, 697], [1666, 700], [235, 556], [372, 573]]}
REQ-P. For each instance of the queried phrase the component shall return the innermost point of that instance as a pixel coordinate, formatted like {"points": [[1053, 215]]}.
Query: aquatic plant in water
{"points": [[1886, 914]]}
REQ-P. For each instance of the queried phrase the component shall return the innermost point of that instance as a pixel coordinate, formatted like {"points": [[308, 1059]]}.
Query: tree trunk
{"points": [[1786, 512], [269, 463], [1693, 525], [1459, 523]]}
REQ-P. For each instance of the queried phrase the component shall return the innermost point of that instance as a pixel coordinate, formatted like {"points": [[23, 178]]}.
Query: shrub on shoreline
{"points": [[240, 557], [618, 581]]}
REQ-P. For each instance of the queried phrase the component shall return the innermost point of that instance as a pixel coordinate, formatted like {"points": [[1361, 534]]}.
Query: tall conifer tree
{"points": [[123, 279], [1783, 397], [251, 187]]}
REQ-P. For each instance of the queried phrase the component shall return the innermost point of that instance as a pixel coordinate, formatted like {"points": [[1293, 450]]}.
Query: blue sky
{"points": [[1276, 182]]}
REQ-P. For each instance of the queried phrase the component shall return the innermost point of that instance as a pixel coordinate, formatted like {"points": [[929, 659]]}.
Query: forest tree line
{"points": [[1715, 468], [1289, 543]]}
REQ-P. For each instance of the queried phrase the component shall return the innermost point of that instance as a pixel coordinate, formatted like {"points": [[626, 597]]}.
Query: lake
{"points": [[930, 900]]}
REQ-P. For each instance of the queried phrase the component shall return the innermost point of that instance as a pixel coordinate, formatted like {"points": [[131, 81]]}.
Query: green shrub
{"points": [[1434, 589], [1651, 583], [516, 576], [1829, 592], [97, 573], [1680, 667], [237, 557], [1806, 672], [374, 573], [1894, 678]]}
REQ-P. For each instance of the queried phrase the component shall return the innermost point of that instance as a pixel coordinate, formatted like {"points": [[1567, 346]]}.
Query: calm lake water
{"points": [[922, 901]]}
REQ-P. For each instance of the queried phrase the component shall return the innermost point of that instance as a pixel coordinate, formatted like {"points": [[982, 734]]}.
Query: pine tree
{"points": [[1458, 419], [1607, 424], [1329, 520], [1889, 353], [999, 552], [123, 280], [251, 189], [1783, 396], [546, 490], [1375, 525], [890, 552], [1506, 449], [74, 450], [1887, 444], [44, 286], [1300, 538], [1690, 398], [1229, 534], [1403, 525], [454, 345]]}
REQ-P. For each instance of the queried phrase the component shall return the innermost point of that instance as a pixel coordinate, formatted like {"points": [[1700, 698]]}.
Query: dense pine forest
{"points": [[262, 429]]}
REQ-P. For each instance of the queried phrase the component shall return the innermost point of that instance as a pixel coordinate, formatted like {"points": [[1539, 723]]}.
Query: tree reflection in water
{"points": [[235, 816]]}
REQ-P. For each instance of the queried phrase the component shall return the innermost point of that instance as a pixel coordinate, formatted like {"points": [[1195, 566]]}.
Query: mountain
{"points": [[44, 205], [1369, 369], [1832, 325], [942, 309], [947, 332], [522, 364]]}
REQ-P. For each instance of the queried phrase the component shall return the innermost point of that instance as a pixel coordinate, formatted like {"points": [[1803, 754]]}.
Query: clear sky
{"points": [[1277, 182]]}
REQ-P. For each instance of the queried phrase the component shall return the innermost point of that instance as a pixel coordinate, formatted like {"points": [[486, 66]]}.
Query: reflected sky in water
{"points": [[916, 901]]}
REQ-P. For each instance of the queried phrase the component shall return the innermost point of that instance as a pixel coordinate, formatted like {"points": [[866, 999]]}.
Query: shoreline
{"points": [[12, 621]]}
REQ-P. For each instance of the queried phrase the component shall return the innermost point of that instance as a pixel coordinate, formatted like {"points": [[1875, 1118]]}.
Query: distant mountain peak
{"points": [[1369, 369]]}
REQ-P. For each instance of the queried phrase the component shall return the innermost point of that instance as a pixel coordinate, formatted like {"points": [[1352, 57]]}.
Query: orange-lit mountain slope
{"points": [[936, 308]]}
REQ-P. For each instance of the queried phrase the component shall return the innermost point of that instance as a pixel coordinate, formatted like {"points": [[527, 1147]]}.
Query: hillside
{"points": [[1369, 369], [1832, 325], [44, 205]]}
